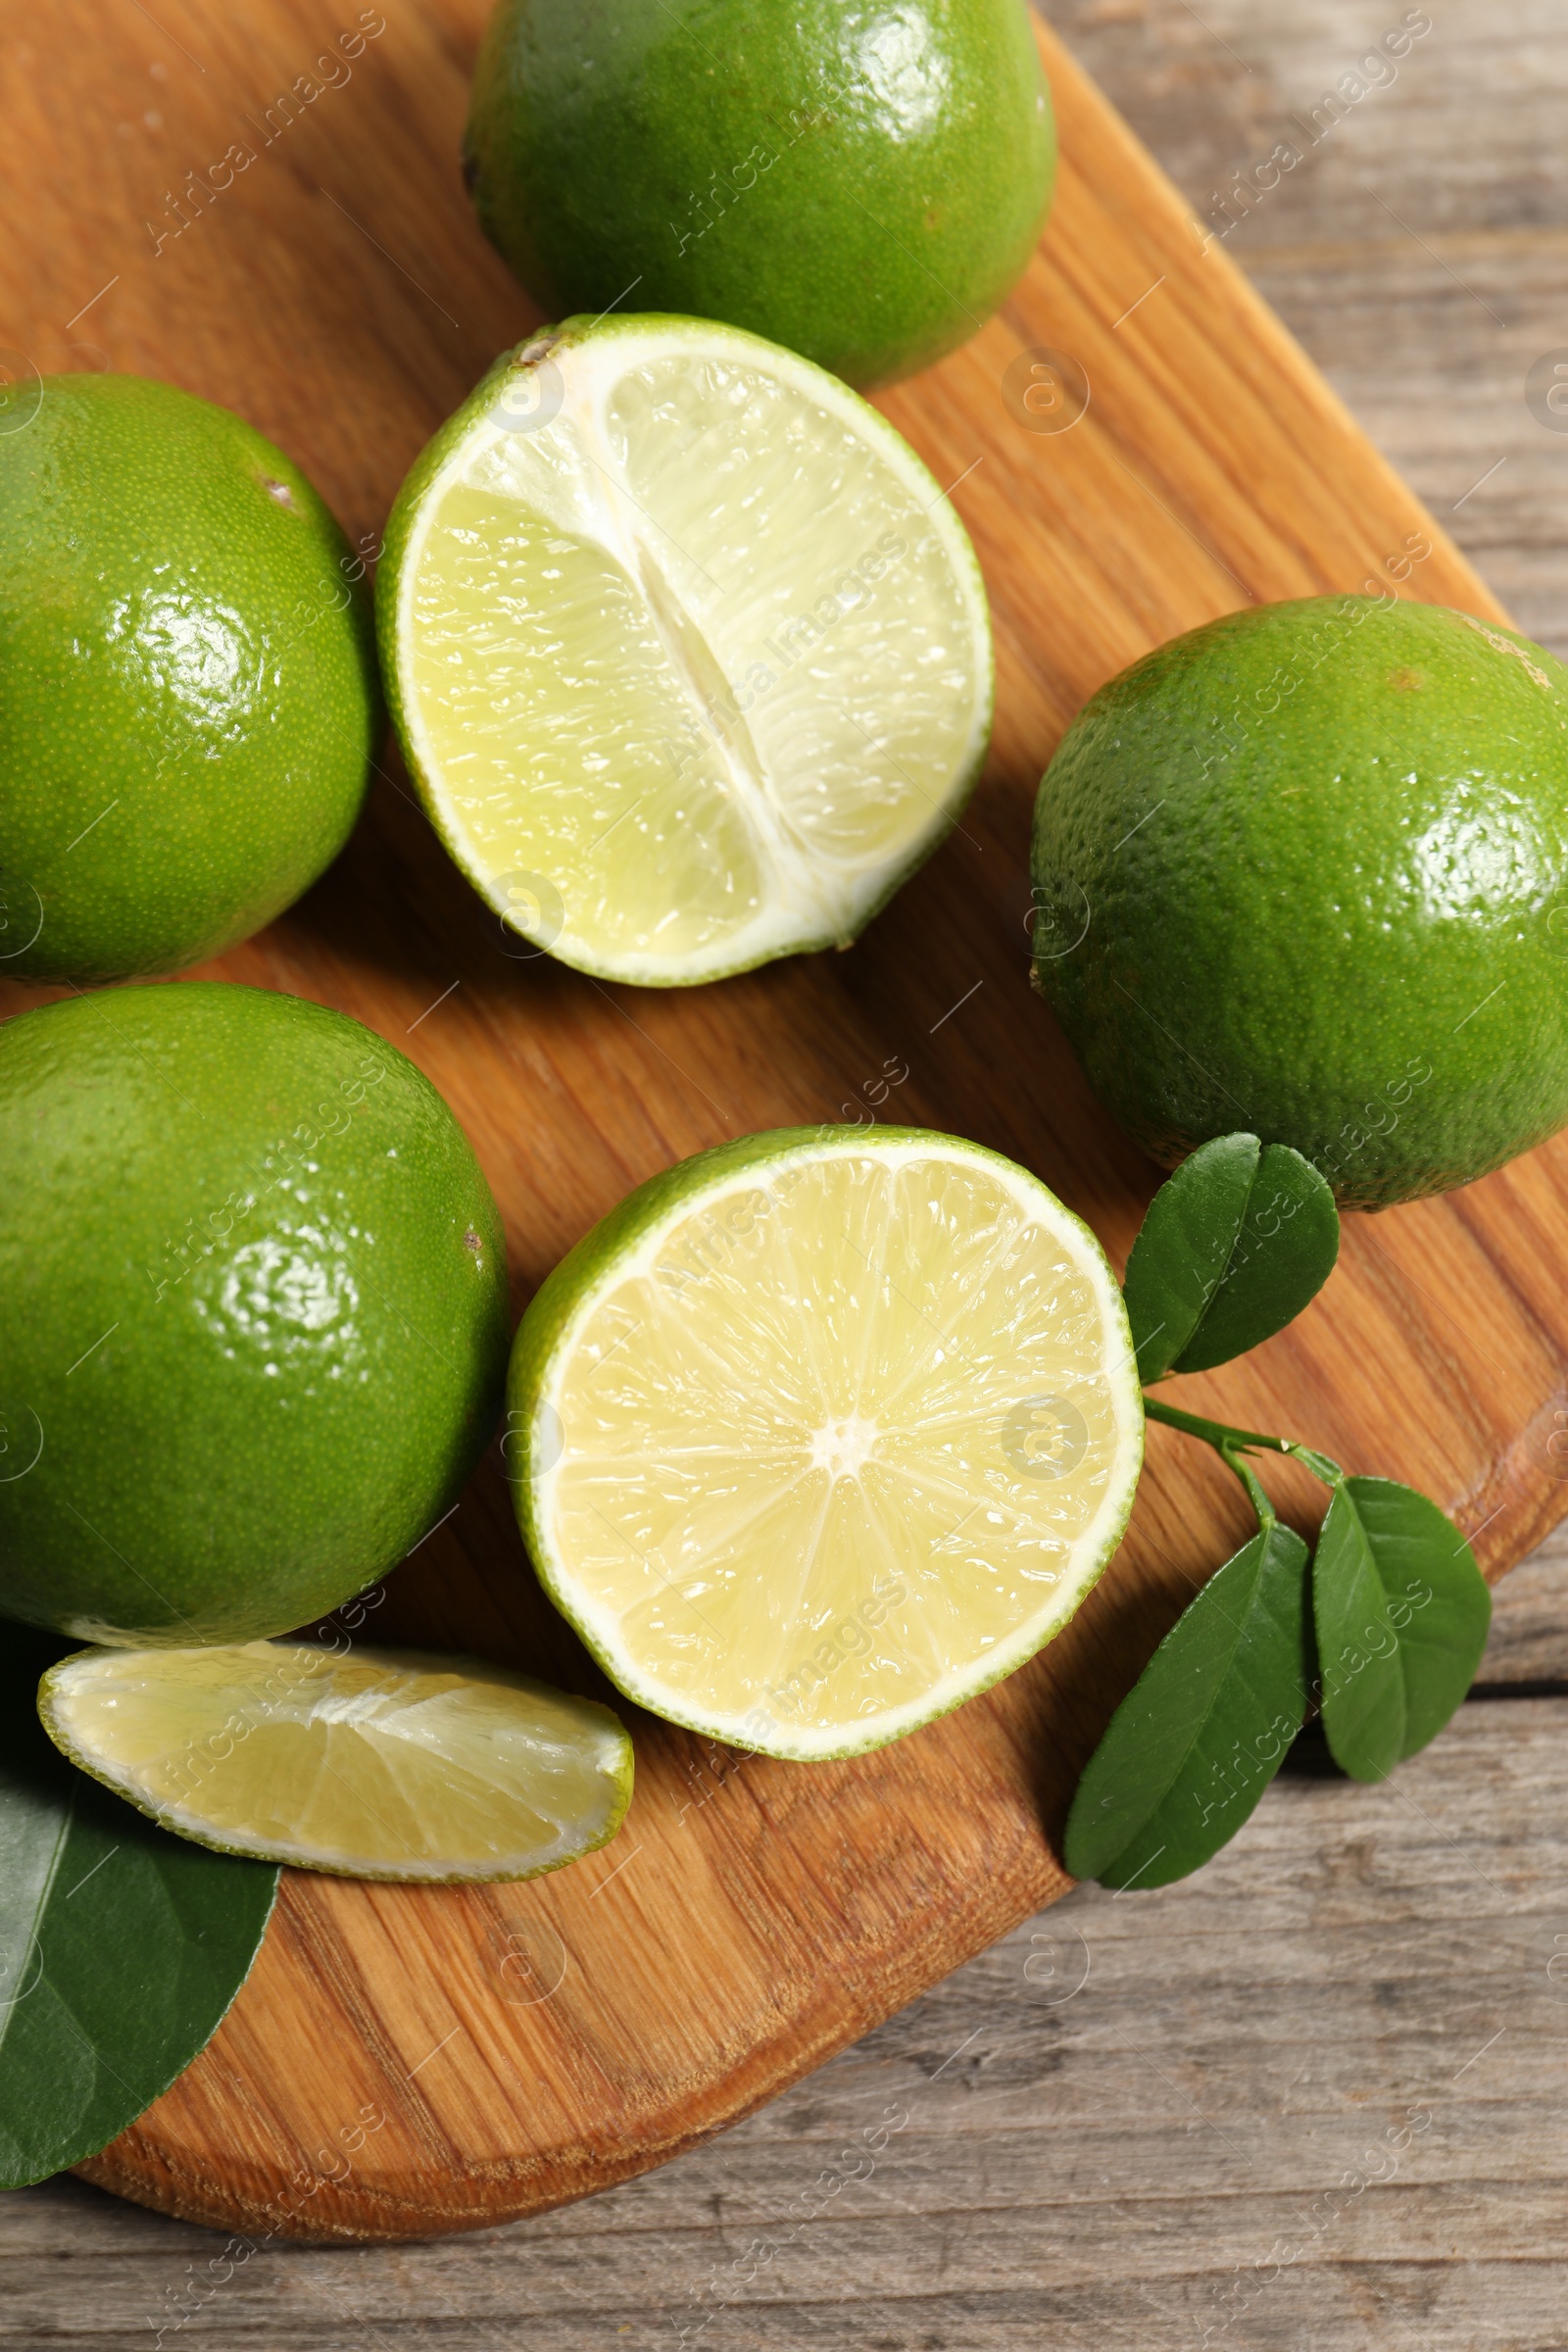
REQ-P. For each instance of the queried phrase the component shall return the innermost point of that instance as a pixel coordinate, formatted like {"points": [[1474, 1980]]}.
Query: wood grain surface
{"points": [[1128, 2122], [753, 1917], [1418, 251]]}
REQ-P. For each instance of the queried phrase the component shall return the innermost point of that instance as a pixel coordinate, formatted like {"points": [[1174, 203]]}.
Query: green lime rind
{"points": [[863, 188], [620, 1776], [187, 662], [253, 1313], [497, 387], [567, 1297], [1305, 871]]}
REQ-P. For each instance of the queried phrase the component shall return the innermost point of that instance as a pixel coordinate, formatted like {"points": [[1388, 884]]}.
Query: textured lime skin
{"points": [[188, 698], [1341, 920], [253, 1312], [861, 186]]}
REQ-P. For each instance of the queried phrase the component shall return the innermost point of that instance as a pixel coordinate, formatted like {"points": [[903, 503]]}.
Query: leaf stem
{"points": [[1233, 1460], [1231, 1443], [1217, 1434]]}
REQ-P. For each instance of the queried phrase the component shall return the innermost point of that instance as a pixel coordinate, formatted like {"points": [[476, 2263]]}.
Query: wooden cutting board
{"points": [[403, 2063]]}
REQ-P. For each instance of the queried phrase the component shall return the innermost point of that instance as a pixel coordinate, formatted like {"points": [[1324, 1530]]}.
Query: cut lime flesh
{"points": [[828, 1432], [689, 655], [379, 1764]]}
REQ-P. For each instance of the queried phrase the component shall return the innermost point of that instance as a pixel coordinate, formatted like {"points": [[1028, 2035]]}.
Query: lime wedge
{"points": [[822, 1432], [688, 652], [379, 1764]]}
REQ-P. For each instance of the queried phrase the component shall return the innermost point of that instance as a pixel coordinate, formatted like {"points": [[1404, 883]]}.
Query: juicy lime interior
{"points": [[379, 1764], [704, 649], [842, 1444]]}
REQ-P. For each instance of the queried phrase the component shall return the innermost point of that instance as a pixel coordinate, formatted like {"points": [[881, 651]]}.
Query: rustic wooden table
{"points": [[1313, 2097]]}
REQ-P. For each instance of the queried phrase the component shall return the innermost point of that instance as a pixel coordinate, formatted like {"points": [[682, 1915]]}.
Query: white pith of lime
{"points": [[688, 651]]}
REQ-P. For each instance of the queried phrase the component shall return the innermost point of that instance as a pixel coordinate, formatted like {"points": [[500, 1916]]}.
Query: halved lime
{"points": [[378, 1764], [822, 1432], [688, 652]]}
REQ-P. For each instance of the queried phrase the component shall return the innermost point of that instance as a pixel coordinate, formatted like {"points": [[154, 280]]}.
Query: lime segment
{"points": [[382, 1764], [829, 1430]]}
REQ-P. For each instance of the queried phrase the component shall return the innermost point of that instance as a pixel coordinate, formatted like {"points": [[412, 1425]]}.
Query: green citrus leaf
{"points": [[1402, 1613], [1234, 1245], [1178, 1260], [1200, 1735], [120, 1948]]}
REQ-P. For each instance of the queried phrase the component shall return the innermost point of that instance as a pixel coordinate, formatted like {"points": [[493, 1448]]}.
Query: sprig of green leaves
{"points": [[1383, 1633]]}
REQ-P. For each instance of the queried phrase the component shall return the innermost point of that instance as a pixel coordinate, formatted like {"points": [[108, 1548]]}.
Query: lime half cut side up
{"points": [[823, 1432], [688, 652], [378, 1764]]}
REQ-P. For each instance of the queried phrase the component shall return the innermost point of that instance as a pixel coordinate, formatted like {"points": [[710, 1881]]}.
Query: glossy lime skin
{"points": [[188, 696], [861, 184], [1305, 871], [253, 1312]]}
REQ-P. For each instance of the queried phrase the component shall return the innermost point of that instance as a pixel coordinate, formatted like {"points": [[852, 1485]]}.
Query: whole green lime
{"points": [[863, 185], [253, 1312], [188, 697], [1305, 871]]}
